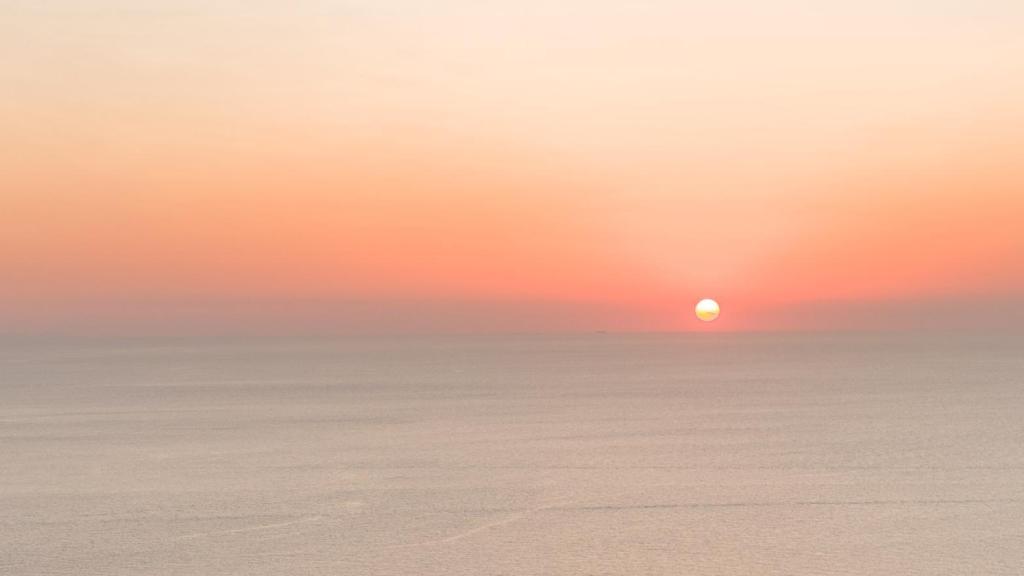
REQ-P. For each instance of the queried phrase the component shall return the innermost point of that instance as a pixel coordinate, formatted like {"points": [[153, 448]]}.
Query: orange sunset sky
{"points": [[392, 166]]}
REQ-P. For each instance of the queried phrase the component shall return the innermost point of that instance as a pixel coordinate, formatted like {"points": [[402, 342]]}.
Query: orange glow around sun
{"points": [[467, 168]]}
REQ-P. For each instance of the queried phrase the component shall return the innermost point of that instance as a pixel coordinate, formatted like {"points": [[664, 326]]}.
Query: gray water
{"points": [[521, 455]]}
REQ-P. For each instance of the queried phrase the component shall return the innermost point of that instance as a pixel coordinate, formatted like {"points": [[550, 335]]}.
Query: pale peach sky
{"points": [[394, 166]]}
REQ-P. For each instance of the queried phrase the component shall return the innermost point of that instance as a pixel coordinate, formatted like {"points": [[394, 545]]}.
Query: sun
{"points": [[707, 310]]}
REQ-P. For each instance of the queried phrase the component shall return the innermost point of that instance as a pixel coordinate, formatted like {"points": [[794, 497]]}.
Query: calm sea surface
{"points": [[603, 454]]}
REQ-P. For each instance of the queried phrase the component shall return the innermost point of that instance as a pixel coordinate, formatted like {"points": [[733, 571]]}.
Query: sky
{"points": [[371, 166]]}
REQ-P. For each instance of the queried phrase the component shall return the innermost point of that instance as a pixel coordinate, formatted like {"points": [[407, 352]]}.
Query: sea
{"points": [[587, 454]]}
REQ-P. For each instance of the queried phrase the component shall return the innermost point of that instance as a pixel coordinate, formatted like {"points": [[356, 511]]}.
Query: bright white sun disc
{"points": [[707, 310]]}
